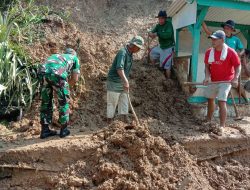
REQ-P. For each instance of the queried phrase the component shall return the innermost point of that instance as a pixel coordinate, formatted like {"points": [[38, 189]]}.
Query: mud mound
{"points": [[136, 160], [121, 159], [229, 175]]}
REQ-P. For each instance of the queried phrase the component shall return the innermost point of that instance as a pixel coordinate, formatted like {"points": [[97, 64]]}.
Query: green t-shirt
{"points": [[165, 34], [123, 60], [234, 42], [61, 65]]}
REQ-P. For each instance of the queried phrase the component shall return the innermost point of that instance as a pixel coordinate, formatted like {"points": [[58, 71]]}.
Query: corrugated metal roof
{"points": [[222, 15], [175, 7], [216, 14]]}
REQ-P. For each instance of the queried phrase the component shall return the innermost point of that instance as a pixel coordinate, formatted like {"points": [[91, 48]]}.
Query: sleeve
{"points": [[154, 30], [206, 57], [76, 65], [120, 61], [240, 46], [235, 60]]}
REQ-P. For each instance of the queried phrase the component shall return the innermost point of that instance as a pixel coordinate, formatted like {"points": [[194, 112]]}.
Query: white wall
{"points": [[186, 16]]}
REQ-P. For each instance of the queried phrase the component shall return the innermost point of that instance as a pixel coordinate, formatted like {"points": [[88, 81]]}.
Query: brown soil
{"points": [[98, 156]]}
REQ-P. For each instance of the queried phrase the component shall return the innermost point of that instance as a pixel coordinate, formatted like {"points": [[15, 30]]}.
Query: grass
{"points": [[16, 71]]}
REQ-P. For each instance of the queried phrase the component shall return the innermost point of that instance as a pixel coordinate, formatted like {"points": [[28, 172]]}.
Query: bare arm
{"points": [[241, 53], [73, 79], [124, 79], [207, 75], [152, 35], [237, 72], [205, 28], [235, 81]]}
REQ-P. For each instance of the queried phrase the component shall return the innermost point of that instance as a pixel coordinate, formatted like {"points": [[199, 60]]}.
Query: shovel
{"points": [[133, 111]]}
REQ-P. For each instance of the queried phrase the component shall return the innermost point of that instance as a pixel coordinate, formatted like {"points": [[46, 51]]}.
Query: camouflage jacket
{"points": [[61, 65]]}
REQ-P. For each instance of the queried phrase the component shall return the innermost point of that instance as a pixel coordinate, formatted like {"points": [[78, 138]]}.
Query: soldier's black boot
{"points": [[46, 132], [64, 131]]}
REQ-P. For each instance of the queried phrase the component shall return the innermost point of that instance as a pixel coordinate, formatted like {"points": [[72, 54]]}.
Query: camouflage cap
{"points": [[137, 41]]}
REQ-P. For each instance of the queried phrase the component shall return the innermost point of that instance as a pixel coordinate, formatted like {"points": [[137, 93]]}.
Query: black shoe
{"points": [[46, 132], [64, 132]]}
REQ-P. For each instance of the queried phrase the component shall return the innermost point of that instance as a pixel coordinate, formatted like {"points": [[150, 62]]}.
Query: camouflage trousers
{"points": [[61, 87]]}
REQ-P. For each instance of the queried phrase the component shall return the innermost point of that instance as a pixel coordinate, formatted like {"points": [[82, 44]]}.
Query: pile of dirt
{"points": [[115, 158], [121, 159], [229, 174], [134, 159]]}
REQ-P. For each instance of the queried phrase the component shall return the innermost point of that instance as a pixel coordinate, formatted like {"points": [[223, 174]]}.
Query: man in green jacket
{"points": [[117, 81], [164, 52]]}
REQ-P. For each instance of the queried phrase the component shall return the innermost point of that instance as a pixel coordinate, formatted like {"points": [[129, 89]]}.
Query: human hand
{"points": [[205, 81], [235, 82], [126, 86], [152, 35]]}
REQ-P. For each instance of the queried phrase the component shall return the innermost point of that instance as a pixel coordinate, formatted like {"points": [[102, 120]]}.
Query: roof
{"points": [[175, 7], [222, 15], [215, 13]]}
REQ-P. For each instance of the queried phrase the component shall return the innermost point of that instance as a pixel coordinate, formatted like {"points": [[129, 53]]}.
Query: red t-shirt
{"points": [[222, 70]]}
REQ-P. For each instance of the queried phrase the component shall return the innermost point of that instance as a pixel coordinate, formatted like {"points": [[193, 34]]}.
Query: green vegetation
{"points": [[16, 71]]}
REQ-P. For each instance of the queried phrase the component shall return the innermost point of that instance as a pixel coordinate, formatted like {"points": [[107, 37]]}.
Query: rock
{"points": [[219, 170], [76, 182]]}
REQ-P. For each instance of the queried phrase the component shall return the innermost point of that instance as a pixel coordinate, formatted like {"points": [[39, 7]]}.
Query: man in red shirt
{"points": [[221, 64]]}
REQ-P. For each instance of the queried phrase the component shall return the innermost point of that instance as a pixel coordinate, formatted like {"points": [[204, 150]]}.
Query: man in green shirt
{"points": [[117, 81], [164, 52], [57, 73]]}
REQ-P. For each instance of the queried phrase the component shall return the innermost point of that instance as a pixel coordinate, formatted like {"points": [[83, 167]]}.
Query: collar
{"points": [[230, 36], [126, 48]]}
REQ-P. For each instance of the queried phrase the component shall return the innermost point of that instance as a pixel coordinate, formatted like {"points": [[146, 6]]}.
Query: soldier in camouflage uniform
{"points": [[58, 73]]}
